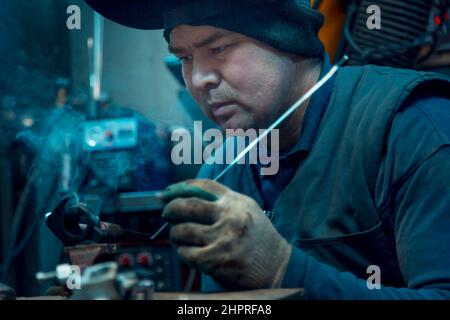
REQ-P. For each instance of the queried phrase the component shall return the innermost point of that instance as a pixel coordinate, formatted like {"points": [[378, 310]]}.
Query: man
{"points": [[364, 177]]}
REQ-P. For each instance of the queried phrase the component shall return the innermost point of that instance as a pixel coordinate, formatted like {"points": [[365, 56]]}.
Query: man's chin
{"points": [[235, 122], [232, 125]]}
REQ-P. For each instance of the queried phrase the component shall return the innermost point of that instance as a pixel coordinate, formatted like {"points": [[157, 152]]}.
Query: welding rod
{"points": [[277, 122]]}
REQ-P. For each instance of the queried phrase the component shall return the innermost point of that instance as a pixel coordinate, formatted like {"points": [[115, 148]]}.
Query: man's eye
{"points": [[218, 50], [185, 58]]}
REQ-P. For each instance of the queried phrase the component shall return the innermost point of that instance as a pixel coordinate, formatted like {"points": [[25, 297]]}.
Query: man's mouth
{"points": [[223, 110]]}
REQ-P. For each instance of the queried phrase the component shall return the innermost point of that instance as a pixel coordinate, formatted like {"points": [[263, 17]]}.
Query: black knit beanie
{"points": [[287, 25]]}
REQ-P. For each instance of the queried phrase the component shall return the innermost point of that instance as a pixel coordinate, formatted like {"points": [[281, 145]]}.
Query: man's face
{"points": [[238, 82]]}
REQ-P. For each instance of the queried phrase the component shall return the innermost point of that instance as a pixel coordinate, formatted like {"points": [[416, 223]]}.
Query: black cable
{"points": [[14, 248], [16, 223], [352, 11]]}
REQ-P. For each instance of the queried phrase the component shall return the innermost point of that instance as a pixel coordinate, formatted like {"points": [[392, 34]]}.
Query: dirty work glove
{"points": [[225, 234]]}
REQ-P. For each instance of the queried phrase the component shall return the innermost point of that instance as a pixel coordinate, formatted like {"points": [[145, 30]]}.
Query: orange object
{"points": [[332, 30]]}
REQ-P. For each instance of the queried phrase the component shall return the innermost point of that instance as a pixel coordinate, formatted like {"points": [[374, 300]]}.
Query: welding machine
{"points": [[412, 33]]}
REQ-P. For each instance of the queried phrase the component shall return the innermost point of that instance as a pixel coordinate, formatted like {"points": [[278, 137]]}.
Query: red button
{"points": [[125, 260], [144, 259], [437, 20]]}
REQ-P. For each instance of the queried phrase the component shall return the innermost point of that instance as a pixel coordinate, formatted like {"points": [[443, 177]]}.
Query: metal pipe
{"points": [[95, 51]]}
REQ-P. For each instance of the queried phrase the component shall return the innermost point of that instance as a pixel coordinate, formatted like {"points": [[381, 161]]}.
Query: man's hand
{"points": [[226, 235]]}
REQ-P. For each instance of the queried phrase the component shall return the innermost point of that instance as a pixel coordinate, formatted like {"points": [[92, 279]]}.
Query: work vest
{"points": [[329, 210]]}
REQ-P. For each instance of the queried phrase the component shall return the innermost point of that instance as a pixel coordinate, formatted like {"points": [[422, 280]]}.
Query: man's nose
{"points": [[205, 77]]}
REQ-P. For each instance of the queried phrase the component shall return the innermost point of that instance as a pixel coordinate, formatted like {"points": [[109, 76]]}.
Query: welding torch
{"points": [[74, 222]]}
